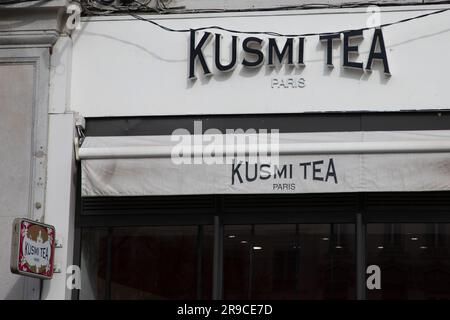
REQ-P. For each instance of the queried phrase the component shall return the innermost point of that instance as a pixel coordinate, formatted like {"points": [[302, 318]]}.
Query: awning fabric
{"points": [[315, 173]]}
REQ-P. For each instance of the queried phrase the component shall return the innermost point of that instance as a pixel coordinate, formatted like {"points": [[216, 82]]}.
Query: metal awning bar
{"points": [[366, 147]]}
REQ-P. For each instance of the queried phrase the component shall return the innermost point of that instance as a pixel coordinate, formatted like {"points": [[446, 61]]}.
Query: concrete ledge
{"points": [[37, 26], [29, 38]]}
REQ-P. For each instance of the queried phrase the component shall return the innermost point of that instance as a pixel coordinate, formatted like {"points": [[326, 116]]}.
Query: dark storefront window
{"points": [[289, 261], [263, 261], [258, 248], [93, 264], [161, 262], [414, 259]]}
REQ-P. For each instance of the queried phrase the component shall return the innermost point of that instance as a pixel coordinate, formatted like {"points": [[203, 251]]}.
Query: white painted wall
{"points": [[124, 67]]}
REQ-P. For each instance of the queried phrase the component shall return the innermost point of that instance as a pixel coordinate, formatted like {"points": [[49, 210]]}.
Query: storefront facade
{"points": [[361, 178], [265, 246]]}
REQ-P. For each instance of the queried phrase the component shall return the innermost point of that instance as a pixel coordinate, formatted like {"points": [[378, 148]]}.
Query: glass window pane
{"points": [[93, 264], [289, 261], [236, 261], [314, 260], [341, 260], [414, 259], [274, 261], [205, 274], [156, 263]]}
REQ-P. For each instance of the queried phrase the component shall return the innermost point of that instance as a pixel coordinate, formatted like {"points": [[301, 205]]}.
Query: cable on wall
{"points": [[276, 34]]}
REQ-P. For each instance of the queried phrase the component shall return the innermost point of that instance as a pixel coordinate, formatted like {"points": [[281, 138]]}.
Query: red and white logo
{"points": [[33, 249]]}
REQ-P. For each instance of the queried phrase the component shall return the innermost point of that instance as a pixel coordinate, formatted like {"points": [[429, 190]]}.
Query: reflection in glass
{"points": [[161, 262], [290, 261], [93, 264], [236, 262], [274, 254], [340, 270], [414, 259]]}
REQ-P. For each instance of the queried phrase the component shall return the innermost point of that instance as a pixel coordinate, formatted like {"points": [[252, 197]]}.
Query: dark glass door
{"points": [[289, 261]]}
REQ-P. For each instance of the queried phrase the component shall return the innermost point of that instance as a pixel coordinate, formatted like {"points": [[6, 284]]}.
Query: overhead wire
{"points": [[103, 8], [160, 8], [277, 34]]}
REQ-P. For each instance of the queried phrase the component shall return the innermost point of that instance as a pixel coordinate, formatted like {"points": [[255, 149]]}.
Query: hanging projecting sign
{"points": [[33, 248], [292, 53]]}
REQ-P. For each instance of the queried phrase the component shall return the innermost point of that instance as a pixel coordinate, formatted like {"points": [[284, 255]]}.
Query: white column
{"points": [[61, 167], [61, 199]]}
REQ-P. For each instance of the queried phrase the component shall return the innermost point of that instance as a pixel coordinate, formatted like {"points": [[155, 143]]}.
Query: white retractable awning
{"points": [[307, 163]]}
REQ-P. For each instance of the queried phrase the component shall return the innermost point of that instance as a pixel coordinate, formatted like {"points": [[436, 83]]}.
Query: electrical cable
{"points": [[10, 2], [160, 6], [276, 34]]}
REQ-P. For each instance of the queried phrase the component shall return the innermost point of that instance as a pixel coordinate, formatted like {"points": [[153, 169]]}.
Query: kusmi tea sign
{"points": [[33, 249], [272, 51]]}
